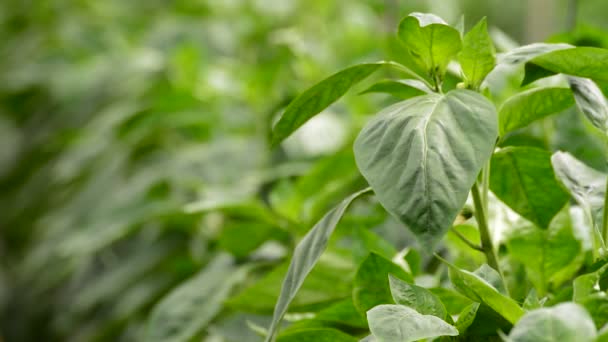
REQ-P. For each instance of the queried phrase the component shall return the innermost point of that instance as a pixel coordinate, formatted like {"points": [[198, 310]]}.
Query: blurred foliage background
{"points": [[134, 149]]}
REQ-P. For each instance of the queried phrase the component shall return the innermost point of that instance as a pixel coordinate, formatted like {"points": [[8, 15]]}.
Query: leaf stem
{"points": [[484, 231], [467, 241]]}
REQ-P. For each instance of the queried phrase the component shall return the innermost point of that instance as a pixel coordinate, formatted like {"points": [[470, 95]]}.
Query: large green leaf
{"points": [[557, 252], [567, 322], [522, 177], [416, 297], [390, 323], [316, 335], [421, 156], [591, 101], [477, 56], [579, 61], [319, 97], [477, 289], [585, 184], [404, 89], [526, 53], [188, 308], [430, 41], [305, 257], [531, 105], [372, 286]]}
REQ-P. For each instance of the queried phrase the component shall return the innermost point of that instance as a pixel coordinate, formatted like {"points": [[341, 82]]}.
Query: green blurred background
{"points": [[115, 116]]}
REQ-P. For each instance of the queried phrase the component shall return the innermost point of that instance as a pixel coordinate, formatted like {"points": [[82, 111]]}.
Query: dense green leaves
{"points": [[531, 105], [567, 322], [422, 156], [430, 41], [188, 308], [416, 297], [477, 56], [479, 290], [372, 286], [557, 252], [400, 323], [591, 101], [522, 177], [579, 61], [319, 97], [305, 257]]}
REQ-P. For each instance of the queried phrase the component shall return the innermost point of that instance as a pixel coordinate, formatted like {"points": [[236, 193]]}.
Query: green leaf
{"points": [[319, 97], [477, 56], [430, 41], [522, 177], [316, 335], [567, 322], [526, 53], [557, 252], [186, 310], [597, 306], [587, 62], [344, 313], [466, 317], [587, 284], [453, 301], [399, 323], [591, 101], [416, 297], [477, 289], [531, 105], [492, 277], [585, 184], [421, 156], [533, 72], [404, 89], [371, 286], [305, 257]]}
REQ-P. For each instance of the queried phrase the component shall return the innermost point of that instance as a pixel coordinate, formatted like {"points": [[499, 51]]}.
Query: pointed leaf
{"points": [[399, 323], [416, 297], [404, 89], [371, 285], [305, 256], [320, 96], [567, 322], [477, 289], [430, 41], [522, 177], [586, 284], [526, 53], [491, 276], [477, 56], [591, 101], [466, 317], [421, 156], [531, 105], [587, 62]]}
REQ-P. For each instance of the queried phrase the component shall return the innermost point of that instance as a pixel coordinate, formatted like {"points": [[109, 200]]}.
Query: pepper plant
{"points": [[443, 151]]}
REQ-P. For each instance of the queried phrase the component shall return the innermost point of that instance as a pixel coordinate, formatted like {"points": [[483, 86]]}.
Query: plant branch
{"points": [[484, 231], [467, 241]]}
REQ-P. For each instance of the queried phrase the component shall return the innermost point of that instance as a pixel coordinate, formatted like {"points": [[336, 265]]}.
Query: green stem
{"points": [[605, 216], [484, 231]]}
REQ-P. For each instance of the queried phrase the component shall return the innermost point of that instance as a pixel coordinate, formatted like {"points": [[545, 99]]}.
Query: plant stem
{"points": [[467, 241], [484, 231], [605, 216]]}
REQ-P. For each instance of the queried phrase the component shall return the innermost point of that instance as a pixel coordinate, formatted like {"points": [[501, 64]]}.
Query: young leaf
{"points": [[587, 62], [585, 184], [431, 42], [477, 289], [421, 156], [403, 324], [586, 284], [466, 317], [557, 252], [567, 322], [404, 89], [416, 297], [591, 101], [477, 56], [371, 286], [188, 308], [305, 257], [316, 335], [492, 277], [531, 105], [319, 97], [522, 177]]}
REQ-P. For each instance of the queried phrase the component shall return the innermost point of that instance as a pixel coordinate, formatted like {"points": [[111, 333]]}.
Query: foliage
{"points": [[165, 178]]}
